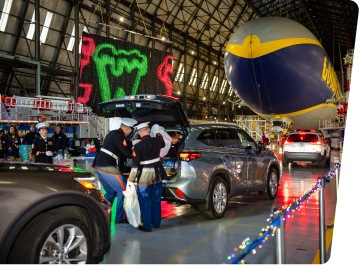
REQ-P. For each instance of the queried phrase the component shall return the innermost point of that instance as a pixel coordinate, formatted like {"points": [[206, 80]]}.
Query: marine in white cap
{"points": [[149, 175], [43, 148], [110, 163]]}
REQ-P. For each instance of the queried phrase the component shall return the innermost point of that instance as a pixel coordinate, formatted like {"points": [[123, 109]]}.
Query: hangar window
{"points": [[214, 83], [180, 73], [5, 14], [84, 30], [223, 86], [31, 31], [46, 26], [231, 91], [193, 78], [204, 81], [72, 40]]}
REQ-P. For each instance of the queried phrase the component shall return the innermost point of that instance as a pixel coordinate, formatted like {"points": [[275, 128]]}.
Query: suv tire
{"points": [[272, 185], [41, 233], [285, 162], [323, 163], [217, 199]]}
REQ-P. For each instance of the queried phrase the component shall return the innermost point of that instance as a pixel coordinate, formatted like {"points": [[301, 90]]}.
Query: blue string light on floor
{"points": [[247, 246]]}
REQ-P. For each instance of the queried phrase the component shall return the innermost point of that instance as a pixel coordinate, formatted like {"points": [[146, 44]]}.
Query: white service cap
{"points": [[142, 125], [42, 125], [128, 121]]}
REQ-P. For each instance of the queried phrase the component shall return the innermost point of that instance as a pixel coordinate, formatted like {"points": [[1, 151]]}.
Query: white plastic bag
{"points": [[166, 137], [131, 205]]}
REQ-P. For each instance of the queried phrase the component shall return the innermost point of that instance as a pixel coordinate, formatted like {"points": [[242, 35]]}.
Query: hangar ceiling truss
{"points": [[198, 29]]}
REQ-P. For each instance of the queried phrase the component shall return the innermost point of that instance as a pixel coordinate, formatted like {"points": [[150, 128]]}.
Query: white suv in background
{"points": [[306, 147]]}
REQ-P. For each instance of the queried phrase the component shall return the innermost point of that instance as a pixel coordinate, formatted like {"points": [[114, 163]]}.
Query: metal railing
{"points": [[277, 221], [332, 124], [254, 125]]}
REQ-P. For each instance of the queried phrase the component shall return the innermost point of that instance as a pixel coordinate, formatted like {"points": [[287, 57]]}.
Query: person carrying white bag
{"points": [[149, 174], [131, 205]]}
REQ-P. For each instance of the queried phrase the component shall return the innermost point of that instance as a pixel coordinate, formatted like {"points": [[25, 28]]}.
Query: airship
{"points": [[282, 72]]}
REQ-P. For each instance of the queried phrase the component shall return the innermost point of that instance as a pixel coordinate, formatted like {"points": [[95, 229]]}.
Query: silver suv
{"points": [[214, 162]]}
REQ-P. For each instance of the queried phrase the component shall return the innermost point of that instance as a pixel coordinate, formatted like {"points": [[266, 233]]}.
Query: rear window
{"points": [[303, 138], [277, 123], [208, 138]]}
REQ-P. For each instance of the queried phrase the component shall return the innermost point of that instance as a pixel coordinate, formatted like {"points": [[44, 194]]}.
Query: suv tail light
{"points": [[302, 133], [179, 193], [316, 143], [189, 156], [288, 142]]}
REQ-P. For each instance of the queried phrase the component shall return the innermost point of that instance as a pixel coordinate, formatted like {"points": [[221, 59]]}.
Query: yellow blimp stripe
{"points": [[253, 48], [300, 111]]}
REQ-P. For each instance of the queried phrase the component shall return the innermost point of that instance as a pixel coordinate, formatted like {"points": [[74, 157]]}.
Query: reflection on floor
{"points": [[185, 236]]}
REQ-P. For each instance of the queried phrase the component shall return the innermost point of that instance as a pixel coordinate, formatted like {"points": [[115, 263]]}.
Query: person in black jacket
{"points": [[2, 144], [43, 148], [59, 139], [12, 142], [30, 136], [175, 143], [110, 172], [149, 175]]}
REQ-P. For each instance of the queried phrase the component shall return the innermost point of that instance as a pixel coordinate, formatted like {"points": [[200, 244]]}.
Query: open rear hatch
{"points": [[163, 110]]}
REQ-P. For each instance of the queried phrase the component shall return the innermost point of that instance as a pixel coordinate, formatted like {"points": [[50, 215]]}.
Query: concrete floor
{"points": [[185, 236]]}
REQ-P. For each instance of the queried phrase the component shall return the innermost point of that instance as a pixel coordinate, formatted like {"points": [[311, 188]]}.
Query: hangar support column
{"points": [[37, 45], [197, 81], [185, 74], [77, 43]]}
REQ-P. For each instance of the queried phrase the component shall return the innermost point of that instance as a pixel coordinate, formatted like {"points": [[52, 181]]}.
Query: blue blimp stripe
{"points": [[281, 82]]}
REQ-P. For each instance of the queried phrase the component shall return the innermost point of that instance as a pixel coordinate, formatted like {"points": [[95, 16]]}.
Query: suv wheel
{"points": [[285, 162], [272, 185], [323, 163], [217, 199], [55, 236]]}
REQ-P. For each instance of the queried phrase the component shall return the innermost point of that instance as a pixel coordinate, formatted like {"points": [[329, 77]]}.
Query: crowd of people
{"points": [[43, 147], [110, 163]]}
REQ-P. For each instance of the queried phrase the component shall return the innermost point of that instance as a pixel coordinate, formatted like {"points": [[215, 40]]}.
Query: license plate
{"points": [[300, 148]]}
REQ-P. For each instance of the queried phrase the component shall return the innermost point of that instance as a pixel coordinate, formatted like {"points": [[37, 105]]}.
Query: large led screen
{"points": [[113, 68]]}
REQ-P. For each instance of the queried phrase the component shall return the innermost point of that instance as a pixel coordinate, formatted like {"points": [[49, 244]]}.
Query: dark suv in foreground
{"points": [[214, 162], [51, 214]]}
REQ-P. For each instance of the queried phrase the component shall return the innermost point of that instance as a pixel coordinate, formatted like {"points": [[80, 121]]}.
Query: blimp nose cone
{"points": [[266, 35]]}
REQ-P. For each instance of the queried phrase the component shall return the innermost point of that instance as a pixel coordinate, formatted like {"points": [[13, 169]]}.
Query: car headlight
{"points": [[91, 183]]}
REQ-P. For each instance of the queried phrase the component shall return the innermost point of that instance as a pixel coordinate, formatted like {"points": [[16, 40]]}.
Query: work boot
{"points": [[145, 230]]}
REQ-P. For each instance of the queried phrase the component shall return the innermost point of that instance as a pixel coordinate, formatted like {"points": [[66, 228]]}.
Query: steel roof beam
{"points": [[226, 17]]}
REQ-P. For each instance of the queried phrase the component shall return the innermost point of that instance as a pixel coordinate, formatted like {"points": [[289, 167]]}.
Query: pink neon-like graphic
{"points": [[86, 52], [87, 93], [163, 70]]}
